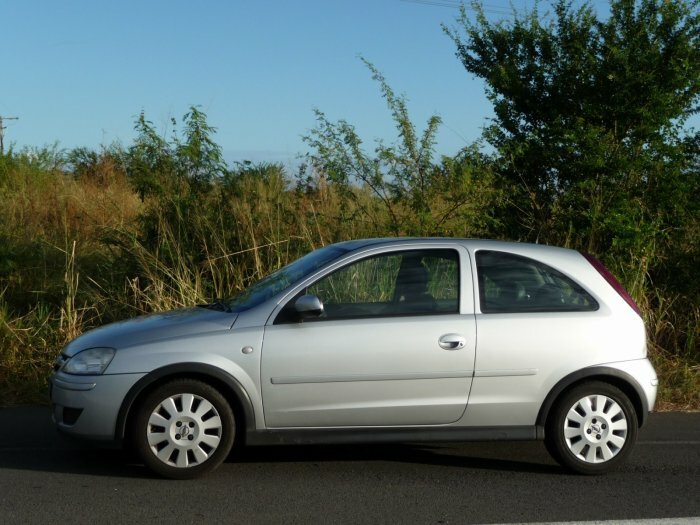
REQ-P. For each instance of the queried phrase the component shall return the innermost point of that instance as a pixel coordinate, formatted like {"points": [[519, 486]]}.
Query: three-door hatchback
{"points": [[379, 340]]}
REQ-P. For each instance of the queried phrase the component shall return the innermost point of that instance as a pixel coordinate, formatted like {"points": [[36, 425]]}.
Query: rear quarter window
{"points": [[510, 283]]}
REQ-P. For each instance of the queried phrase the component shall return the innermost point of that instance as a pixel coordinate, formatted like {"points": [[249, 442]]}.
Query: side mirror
{"points": [[308, 306]]}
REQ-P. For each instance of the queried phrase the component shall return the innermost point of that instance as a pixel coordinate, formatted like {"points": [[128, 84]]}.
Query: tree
{"points": [[589, 117], [190, 163], [199, 158], [149, 160]]}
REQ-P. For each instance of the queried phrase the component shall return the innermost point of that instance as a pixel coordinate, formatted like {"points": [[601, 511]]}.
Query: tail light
{"points": [[602, 270]]}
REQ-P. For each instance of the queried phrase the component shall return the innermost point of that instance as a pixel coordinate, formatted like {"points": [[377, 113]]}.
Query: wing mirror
{"points": [[308, 306]]}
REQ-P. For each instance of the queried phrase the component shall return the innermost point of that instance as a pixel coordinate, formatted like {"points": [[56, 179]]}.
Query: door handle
{"points": [[452, 342]]}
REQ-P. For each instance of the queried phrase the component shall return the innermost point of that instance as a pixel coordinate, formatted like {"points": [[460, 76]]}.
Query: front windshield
{"points": [[284, 278]]}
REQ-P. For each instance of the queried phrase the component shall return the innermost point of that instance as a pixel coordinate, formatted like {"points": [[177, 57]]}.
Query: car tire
{"points": [[591, 428], [183, 429]]}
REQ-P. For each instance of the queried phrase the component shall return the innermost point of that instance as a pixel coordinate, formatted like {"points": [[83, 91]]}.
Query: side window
{"points": [[416, 282], [511, 283], [370, 282]]}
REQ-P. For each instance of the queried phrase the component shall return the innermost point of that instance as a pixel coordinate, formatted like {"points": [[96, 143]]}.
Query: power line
{"points": [[495, 9], [487, 8], [2, 132]]}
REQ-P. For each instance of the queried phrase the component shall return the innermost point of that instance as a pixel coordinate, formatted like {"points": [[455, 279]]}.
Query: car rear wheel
{"points": [[184, 429], [591, 428]]}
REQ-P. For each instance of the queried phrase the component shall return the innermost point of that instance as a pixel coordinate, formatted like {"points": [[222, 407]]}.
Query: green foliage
{"points": [[175, 179], [150, 162], [588, 116], [198, 157], [100, 166], [417, 197], [186, 163]]}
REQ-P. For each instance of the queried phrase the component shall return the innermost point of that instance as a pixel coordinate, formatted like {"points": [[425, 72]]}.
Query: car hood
{"points": [[153, 327]]}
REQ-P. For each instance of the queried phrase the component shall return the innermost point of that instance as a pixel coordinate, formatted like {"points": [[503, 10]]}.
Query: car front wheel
{"points": [[592, 428], [184, 429]]}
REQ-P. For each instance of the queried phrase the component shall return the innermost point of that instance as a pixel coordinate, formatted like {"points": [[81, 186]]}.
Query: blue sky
{"points": [[79, 72]]}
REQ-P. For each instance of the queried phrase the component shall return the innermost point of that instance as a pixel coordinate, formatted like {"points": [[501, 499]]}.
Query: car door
{"points": [[395, 345]]}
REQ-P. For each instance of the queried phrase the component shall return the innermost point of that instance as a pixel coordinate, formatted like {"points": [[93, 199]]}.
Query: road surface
{"points": [[45, 478]]}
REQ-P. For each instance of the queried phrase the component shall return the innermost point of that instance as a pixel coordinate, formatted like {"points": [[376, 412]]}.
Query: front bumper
{"points": [[88, 406]]}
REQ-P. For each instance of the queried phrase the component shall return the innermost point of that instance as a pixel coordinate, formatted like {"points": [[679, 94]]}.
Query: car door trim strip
{"points": [[300, 380], [511, 372]]}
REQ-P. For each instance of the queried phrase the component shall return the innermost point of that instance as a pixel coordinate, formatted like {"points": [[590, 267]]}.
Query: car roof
{"points": [[483, 244]]}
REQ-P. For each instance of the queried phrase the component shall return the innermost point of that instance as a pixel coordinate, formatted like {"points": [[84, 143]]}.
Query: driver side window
{"points": [[416, 282], [365, 287]]}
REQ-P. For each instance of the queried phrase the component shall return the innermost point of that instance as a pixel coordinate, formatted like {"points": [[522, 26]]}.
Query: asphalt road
{"points": [[46, 478]]}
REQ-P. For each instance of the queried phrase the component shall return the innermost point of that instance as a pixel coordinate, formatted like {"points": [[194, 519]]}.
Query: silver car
{"points": [[378, 340]]}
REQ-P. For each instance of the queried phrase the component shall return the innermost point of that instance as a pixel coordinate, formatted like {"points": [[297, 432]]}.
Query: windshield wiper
{"points": [[216, 304]]}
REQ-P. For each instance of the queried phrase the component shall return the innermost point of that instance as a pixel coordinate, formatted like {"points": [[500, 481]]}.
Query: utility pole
{"points": [[2, 132]]}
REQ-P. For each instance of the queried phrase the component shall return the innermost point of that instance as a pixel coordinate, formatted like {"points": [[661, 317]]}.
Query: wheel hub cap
{"points": [[595, 429], [184, 430]]}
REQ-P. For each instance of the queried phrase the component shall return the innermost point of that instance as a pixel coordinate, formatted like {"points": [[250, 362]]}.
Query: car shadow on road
{"points": [[94, 461], [460, 456]]}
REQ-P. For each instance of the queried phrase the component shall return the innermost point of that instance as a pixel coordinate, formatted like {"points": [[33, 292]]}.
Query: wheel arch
{"points": [[613, 376], [224, 382]]}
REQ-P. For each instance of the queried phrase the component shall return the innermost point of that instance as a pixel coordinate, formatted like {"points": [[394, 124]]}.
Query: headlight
{"points": [[92, 361]]}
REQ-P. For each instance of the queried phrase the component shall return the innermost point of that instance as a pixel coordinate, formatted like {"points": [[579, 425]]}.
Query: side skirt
{"points": [[349, 436]]}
